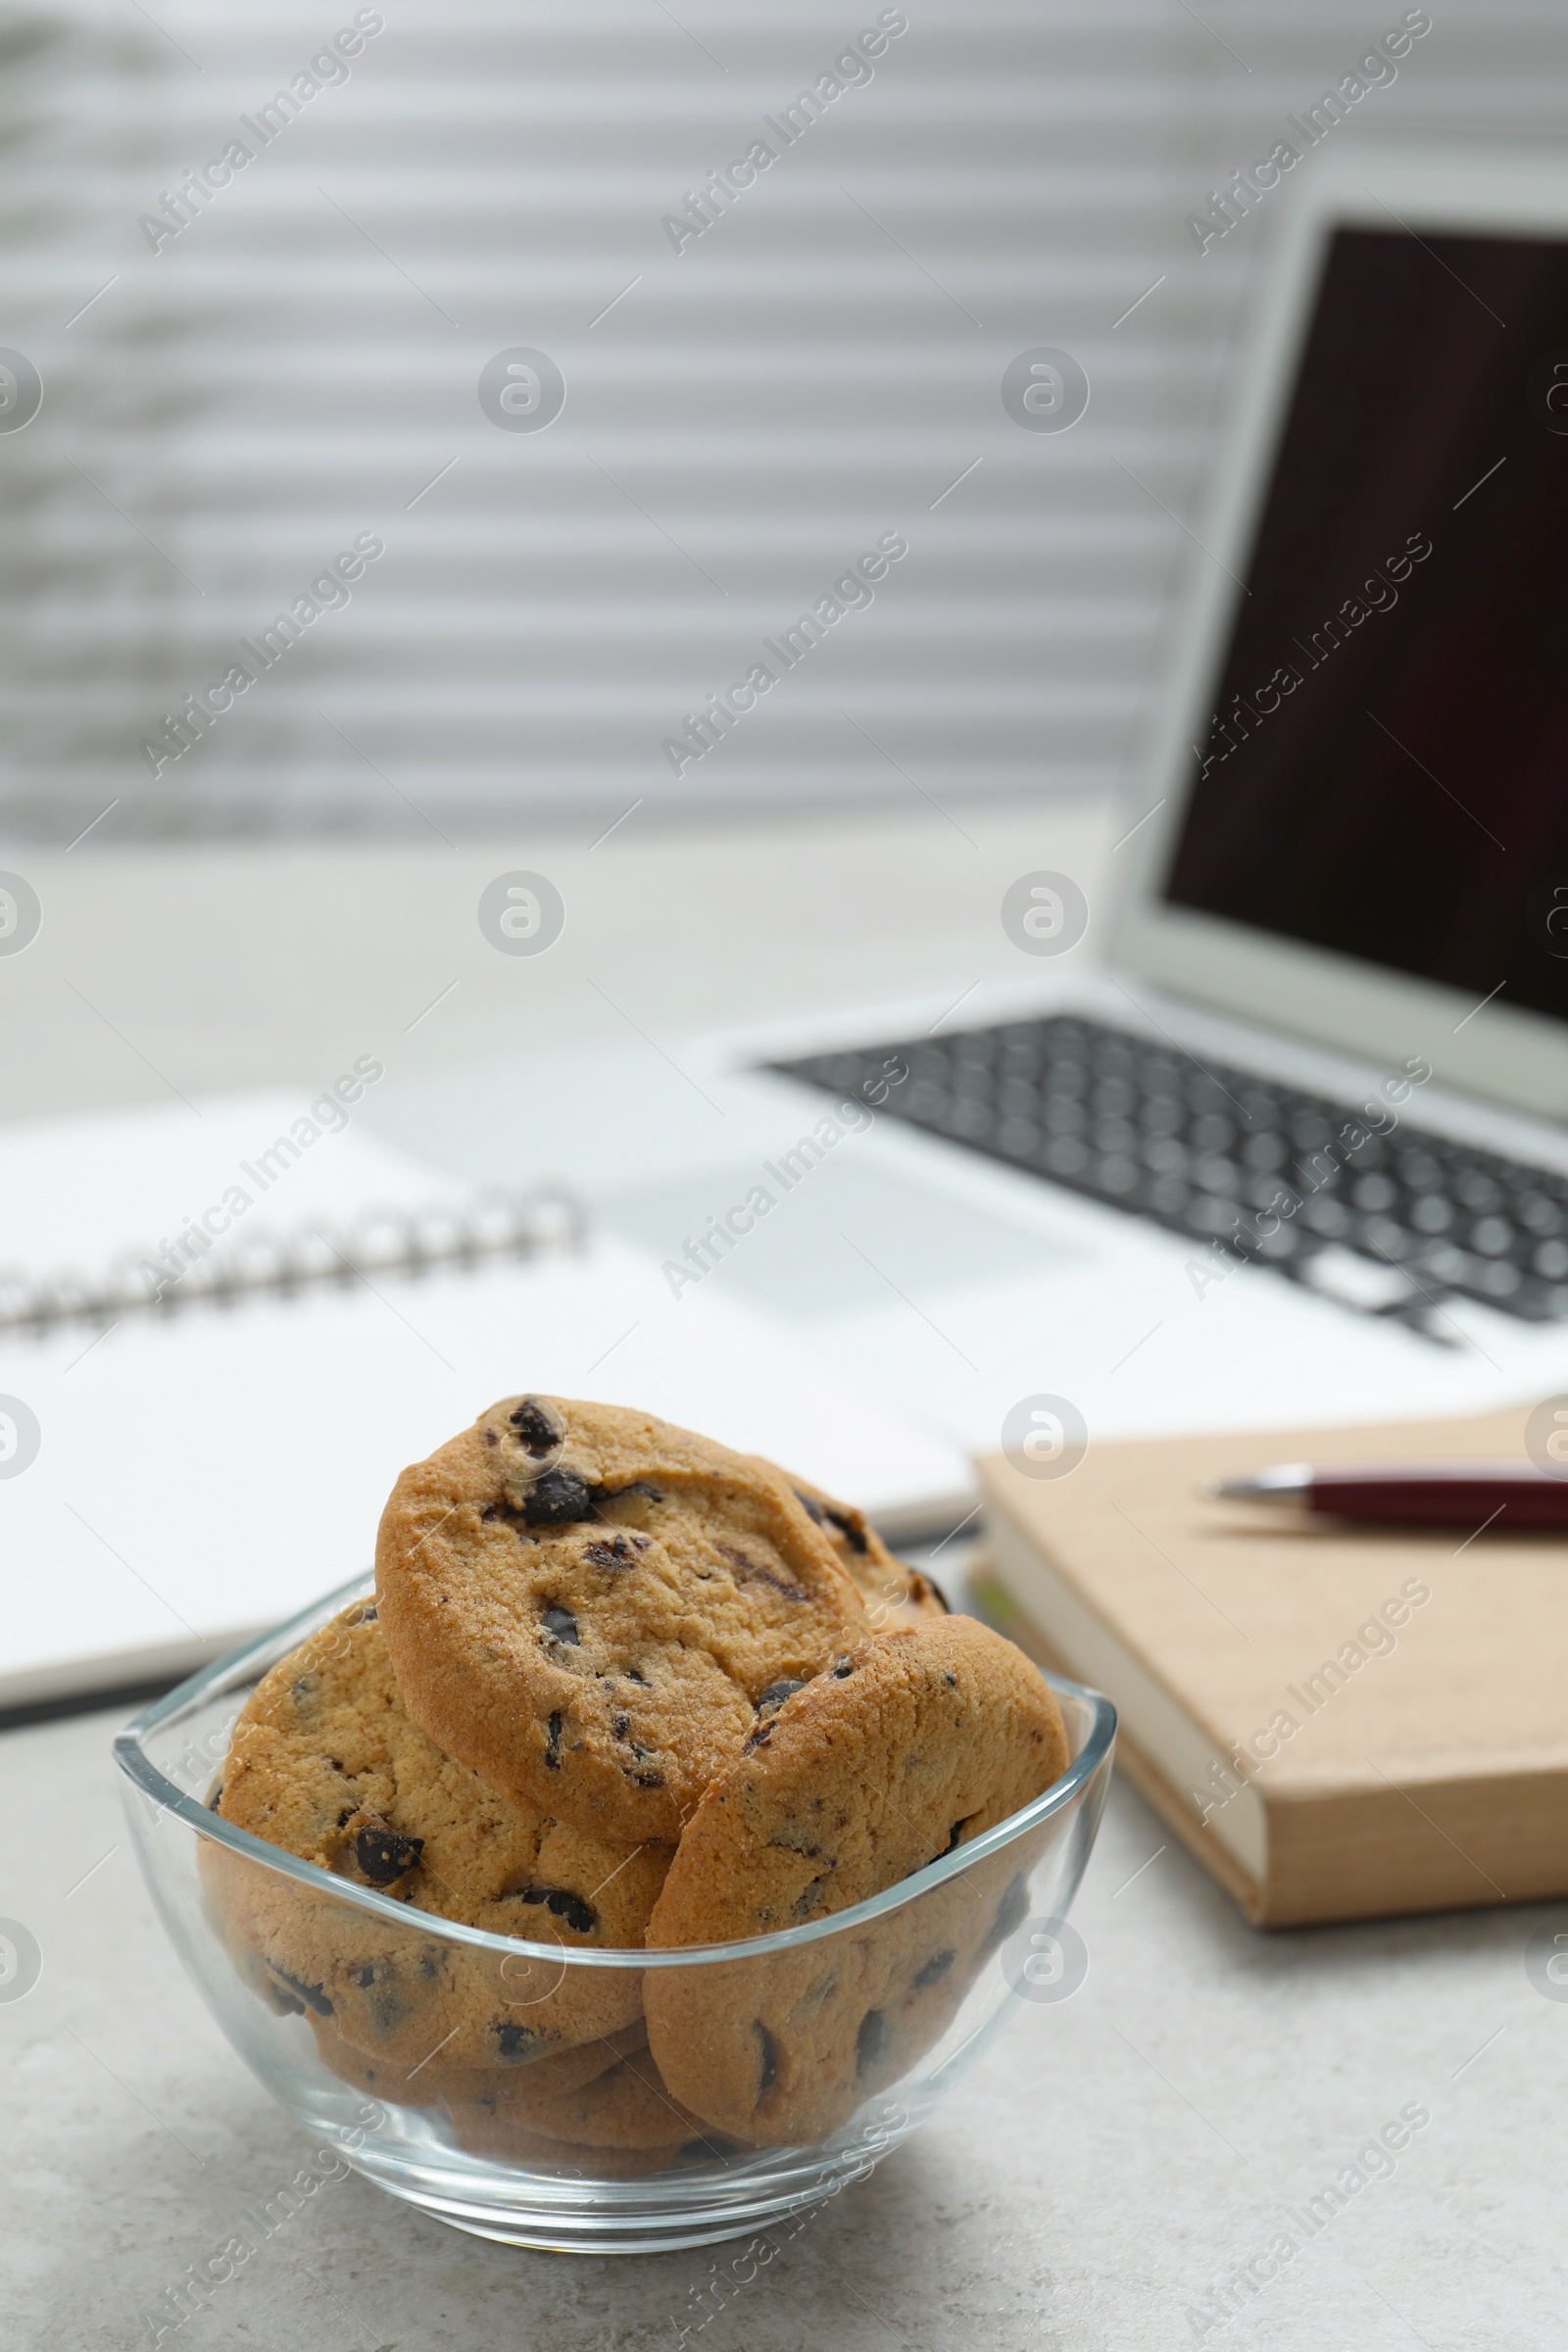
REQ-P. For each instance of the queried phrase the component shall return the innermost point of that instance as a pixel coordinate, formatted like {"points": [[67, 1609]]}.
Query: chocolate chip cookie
{"points": [[893, 1592], [626, 2106], [483, 2131], [327, 1763], [434, 2084], [906, 1745], [586, 1604]]}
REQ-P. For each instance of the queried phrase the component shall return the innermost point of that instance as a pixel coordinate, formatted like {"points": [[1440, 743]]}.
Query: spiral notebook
{"points": [[203, 1397]]}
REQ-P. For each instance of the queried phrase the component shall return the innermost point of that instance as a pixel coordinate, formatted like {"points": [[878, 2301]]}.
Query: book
{"points": [[195, 1442], [1339, 1722]]}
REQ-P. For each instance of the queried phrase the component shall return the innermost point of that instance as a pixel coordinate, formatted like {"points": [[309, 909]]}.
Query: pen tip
{"points": [[1282, 1482]]}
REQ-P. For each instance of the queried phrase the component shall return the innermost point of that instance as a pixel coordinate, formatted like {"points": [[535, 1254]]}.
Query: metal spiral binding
{"points": [[492, 1223]]}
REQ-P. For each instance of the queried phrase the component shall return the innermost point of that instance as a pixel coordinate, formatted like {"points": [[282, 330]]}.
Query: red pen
{"points": [[1505, 1494]]}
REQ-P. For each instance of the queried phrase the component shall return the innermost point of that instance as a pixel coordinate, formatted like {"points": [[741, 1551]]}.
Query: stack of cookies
{"points": [[622, 1688]]}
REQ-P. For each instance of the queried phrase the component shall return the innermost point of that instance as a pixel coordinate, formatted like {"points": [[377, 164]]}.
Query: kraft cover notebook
{"points": [[1339, 1722]]}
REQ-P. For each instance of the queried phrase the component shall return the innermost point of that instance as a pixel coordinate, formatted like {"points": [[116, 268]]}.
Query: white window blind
{"points": [[263, 456]]}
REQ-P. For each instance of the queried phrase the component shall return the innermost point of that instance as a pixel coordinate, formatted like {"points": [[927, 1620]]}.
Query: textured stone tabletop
{"points": [[1103, 2178]]}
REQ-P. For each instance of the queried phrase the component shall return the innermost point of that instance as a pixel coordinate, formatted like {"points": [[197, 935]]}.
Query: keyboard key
{"points": [[1118, 1175], [1162, 1115], [1066, 1155], [1477, 1191], [1207, 1214], [1265, 1152]]}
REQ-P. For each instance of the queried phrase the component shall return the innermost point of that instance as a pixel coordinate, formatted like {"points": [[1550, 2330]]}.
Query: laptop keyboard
{"points": [[1389, 1223]]}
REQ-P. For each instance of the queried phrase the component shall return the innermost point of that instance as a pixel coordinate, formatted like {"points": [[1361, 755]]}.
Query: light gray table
{"points": [[1105, 2172], [1120, 2156]]}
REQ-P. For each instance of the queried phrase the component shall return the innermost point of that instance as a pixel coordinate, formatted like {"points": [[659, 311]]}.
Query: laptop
{"points": [[1272, 1128]]}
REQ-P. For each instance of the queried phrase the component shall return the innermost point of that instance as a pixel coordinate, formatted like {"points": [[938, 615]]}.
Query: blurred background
{"points": [[248, 365]]}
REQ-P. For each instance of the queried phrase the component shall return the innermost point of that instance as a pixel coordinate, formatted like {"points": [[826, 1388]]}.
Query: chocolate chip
{"points": [[618, 1553], [512, 1516], [313, 1995], [557, 1498], [566, 1905], [539, 1426], [384, 1853], [647, 1780], [810, 1894], [767, 2059], [284, 2002], [346, 1816], [813, 1510], [1011, 1912], [562, 1625], [387, 2005], [748, 1567], [635, 1674], [843, 1668], [490, 1438], [515, 2042], [851, 1526], [871, 2041], [775, 1694], [367, 1615], [214, 1802], [621, 1726], [633, 1486], [553, 1745], [758, 1737], [935, 1969]]}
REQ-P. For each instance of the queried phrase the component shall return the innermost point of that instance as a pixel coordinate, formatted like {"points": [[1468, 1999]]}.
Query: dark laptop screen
{"points": [[1386, 770]]}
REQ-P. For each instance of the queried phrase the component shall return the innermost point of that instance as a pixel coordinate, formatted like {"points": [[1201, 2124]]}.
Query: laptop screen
{"points": [[1385, 773]]}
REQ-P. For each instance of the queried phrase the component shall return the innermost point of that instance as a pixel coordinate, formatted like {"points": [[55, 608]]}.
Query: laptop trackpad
{"points": [[839, 1240]]}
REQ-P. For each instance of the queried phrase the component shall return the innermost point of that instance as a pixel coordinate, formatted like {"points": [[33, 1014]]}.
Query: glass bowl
{"points": [[513, 2087]]}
